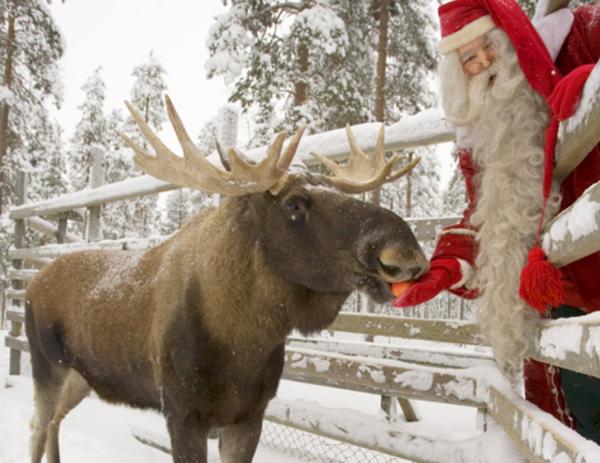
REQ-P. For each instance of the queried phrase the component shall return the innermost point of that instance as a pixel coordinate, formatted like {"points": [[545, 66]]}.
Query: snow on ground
{"points": [[99, 432]]}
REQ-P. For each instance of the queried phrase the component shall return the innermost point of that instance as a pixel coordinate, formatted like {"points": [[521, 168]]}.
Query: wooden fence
{"points": [[468, 379]]}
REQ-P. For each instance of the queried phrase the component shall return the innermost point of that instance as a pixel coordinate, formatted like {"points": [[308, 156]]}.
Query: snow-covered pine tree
{"points": [[294, 63], [207, 144], [179, 210], [29, 55], [48, 176], [147, 96], [90, 134], [90, 131], [118, 218]]}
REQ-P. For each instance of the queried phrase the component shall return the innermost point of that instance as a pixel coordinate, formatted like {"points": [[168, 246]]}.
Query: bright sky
{"points": [[119, 34]]}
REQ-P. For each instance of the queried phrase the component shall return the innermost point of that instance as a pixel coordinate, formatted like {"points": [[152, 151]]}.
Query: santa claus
{"points": [[499, 78]]}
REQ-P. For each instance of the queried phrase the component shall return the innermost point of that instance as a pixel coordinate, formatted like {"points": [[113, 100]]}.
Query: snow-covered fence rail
{"points": [[465, 378], [426, 128]]}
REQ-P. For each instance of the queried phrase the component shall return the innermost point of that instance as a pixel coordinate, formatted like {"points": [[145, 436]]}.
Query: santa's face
{"points": [[480, 75], [477, 55]]}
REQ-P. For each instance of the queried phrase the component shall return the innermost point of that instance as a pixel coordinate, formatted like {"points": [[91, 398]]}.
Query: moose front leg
{"points": [[238, 441], [188, 438]]}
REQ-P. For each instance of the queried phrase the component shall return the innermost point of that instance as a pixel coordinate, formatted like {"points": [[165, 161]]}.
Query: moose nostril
{"points": [[391, 270], [415, 271]]}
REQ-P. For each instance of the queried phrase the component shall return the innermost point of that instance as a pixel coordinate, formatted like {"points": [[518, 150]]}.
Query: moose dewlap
{"points": [[195, 327]]}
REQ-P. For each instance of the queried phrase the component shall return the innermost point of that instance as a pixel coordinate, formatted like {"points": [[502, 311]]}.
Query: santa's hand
{"points": [[442, 274]]}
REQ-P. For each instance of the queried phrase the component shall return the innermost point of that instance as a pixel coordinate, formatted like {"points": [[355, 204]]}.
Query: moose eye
{"points": [[296, 208], [292, 206]]}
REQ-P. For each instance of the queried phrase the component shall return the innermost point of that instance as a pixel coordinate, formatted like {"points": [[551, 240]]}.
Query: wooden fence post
{"points": [[94, 233], [227, 132], [14, 367], [62, 228]]}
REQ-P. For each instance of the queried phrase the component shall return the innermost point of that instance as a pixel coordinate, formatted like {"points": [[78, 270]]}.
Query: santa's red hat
{"points": [[463, 21]]}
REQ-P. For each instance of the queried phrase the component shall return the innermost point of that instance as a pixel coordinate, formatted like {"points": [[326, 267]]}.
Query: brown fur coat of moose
{"points": [[195, 327]]}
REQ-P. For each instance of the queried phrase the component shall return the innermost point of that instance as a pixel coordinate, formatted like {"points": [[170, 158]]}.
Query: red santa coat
{"points": [[580, 279]]}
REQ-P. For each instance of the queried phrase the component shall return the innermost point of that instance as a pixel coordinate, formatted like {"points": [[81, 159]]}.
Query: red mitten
{"points": [[442, 274]]}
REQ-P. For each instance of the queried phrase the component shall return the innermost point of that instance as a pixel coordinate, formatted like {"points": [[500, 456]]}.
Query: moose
{"points": [[195, 327]]}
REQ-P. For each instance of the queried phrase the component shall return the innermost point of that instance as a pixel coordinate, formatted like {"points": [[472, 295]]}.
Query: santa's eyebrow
{"points": [[465, 54]]}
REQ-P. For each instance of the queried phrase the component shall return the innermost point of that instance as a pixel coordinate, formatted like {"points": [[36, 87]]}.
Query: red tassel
{"points": [[541, 284]]}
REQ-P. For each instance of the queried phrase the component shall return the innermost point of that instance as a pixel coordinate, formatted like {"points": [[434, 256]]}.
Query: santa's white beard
{"points": [[506, 121]]}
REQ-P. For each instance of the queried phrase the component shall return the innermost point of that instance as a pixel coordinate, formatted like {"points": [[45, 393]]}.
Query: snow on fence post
{"points": [[15, 330], [228, 126], [96, 180]]}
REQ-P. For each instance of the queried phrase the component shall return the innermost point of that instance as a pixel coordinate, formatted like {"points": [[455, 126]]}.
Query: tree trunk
{"points": [[408, 208], [384, 15], [300, 86], [5, 107], [379, 113]]}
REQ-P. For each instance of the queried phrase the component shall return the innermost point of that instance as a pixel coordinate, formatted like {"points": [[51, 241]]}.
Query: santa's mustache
{"points": [[492, 86]]}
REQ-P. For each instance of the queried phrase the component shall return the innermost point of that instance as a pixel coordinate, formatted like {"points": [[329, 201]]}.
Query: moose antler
{"points": [[362, 174], [193, 170]]}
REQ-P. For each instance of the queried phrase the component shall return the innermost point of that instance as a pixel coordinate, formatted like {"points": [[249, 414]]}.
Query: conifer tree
{"points": [[29, 55], [90, 132], [118, 218], [147, 96], [48, 162], [314, 70], [178, 210]]}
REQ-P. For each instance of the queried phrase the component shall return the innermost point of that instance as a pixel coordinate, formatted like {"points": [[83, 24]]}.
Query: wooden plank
{"points": [[15, 315], [56, 250], [16, 294], [18, 344], [48, 228], [23, 275], [422, 356], [382, 377], [540, 437], [581, 132], [374, 434], [572, 343], [364, 374], [130, 188], [425, 128], [457, 332], [425, 229], [574, 233]]}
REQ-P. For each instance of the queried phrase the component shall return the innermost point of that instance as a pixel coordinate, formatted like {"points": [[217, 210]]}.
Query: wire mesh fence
{"points": [[311, 447]]}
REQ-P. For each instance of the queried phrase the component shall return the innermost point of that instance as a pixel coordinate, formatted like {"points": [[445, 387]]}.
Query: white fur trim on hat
{"points": [[470, 32]]}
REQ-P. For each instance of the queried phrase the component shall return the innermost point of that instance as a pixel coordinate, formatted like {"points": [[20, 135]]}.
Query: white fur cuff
{"points": [[467, 273], [470, 32]]}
